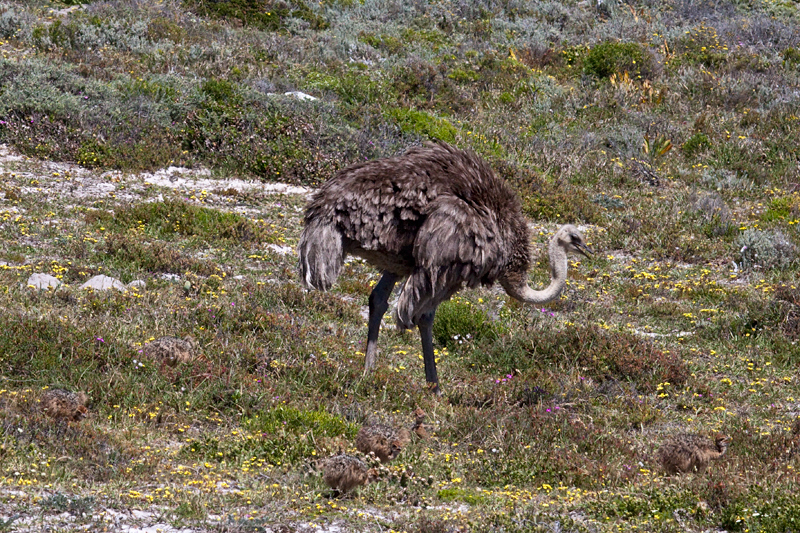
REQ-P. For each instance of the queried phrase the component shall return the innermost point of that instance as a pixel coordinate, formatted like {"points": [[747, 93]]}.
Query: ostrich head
{"points": [[569, 239], [566, 240], [722, 442]]}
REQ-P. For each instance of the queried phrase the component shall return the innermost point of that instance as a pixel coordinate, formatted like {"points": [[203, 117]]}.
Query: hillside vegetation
{"points": [[142, 140]]}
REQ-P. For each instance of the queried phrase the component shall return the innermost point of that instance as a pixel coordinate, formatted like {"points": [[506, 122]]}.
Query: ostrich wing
{"points": [[459, 244]]}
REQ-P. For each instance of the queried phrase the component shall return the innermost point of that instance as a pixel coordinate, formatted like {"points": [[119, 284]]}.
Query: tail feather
{"points": [[321, 255]]}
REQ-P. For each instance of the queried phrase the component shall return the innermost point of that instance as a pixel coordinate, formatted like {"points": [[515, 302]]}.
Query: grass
{"points": [[671, 142]]}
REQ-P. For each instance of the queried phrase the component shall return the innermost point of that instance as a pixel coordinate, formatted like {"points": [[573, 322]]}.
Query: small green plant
{"points": [[609, 202], [656, 148], [791, 57], [263, 14], [701, 45], [460, 495], [170, 218], [384, 42], [221, 91], [458, 321], [423, 123], [696, 144], [74, 505], [611, 57], [782, 208], [764, 249], [716, 217]]}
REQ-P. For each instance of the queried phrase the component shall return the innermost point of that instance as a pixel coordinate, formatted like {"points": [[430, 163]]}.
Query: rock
{"points": [[102, 283], [301, 95], [137, 284], [43, 281]]}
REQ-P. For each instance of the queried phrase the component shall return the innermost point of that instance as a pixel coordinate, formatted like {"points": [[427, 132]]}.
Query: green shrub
{"points": [[461, 495], [129, 252], [458, 321], [263, 14], [422, 123], [384, 42], [782, 208], [221, 91], [169, 218], [599, 353], [764, 249], [697, 143], [282, 435], [701, 45], [791, 57], [612, 57]]}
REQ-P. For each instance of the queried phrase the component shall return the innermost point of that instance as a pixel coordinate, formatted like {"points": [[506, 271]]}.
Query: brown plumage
{"points": [[172, 350], [436, 215], [687, 453], [62, 404], [385, 442], [344, 472], [418, 428]]}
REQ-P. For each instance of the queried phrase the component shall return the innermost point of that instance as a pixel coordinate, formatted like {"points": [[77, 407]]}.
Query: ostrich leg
{"points": [[425, 326], [378, 304]]}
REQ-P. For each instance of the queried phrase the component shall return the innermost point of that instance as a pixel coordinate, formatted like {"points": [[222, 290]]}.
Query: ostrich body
{"points": [[687, 453], [344, 472], [437, 216], [172, 350], [385, 442]]}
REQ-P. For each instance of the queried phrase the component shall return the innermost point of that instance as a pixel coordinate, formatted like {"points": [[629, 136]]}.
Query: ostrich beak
{"points": [[584, 250]]}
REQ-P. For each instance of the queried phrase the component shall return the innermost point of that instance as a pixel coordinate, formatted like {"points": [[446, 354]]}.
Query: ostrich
{"points": [[687, 453], [172, 350], [344, 472], [62, 404], [386, 442], [437, 216]]}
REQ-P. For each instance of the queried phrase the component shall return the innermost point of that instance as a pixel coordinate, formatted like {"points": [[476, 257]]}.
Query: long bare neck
{"points": [[520, 290]]}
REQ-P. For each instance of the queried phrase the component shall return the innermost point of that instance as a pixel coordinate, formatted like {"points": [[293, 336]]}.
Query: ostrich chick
{"points": [[418, 428], [438, 217], [344, 472], [687, 453], [385, 442], [172, 350], [62, 404]]}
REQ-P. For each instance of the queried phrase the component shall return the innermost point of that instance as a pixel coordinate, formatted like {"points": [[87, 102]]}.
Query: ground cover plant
{"points": [[143, 141]]}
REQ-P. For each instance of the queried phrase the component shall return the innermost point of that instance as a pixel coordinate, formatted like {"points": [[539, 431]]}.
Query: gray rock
{"points": [[43, 281], [301, 95], [137, 284], [102, 283]]}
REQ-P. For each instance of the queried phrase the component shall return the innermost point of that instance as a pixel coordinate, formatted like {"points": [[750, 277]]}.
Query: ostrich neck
{"points": [[520, 290]]}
